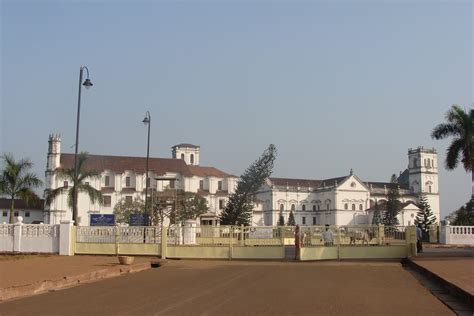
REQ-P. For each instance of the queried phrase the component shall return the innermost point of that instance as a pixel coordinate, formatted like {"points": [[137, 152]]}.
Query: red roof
{"points": [[119, 164], [207, 172]]}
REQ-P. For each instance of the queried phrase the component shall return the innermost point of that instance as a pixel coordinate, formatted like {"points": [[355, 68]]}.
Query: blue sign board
{"points": [[137, 220], [102, 219]]}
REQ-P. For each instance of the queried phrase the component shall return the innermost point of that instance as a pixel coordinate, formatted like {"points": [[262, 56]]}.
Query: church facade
{"points": [[345, 200]]}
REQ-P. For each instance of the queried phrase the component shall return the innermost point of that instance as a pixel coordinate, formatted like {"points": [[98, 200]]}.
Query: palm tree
{"points": [[459, 125], [17, 181], [79, 185]]}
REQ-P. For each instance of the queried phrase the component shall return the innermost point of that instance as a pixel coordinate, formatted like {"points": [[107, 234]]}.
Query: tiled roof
{"points": [[21, 204], [296, 182], [185, 145], [207, 172], [332, 181], [382, 185], [118, 164]]}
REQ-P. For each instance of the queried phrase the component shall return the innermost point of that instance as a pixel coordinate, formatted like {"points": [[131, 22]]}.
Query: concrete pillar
{"points": [[190, 232], [66, 238], [164, 241], [17, 234], [381, 234]]}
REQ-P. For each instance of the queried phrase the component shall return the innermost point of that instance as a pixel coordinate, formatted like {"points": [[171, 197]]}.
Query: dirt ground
{"points": [[18, 270], [457, 270], [251, 288]]}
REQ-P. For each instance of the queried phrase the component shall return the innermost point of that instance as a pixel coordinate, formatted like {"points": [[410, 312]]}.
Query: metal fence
{"points": [[351, 236], [126, 235]]}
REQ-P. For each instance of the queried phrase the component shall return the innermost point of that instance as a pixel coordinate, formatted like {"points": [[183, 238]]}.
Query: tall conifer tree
{"points": [[238, 210], [291, 219], [393, 203], [425, 216]]}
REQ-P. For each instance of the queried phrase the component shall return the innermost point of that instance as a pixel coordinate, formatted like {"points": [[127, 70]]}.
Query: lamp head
{"points": [[87, 83], [146, 120]]}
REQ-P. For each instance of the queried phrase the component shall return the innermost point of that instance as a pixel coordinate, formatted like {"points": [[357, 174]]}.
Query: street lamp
{"points": [[87, 84], [147, 121]]}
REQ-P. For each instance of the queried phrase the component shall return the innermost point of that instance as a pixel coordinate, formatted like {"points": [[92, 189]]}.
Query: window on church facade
{"points": [[219, 185], [314, 208], [127, 182], [360, 207], [314, 220], [172, 182], [182, 156], [429, 189], [201, 184], [192, 159], [328, 206], [353, 207], [107, 200], [107, 181], [282, 207], [221, 204], [304, 220], [292, 207], [346, 207], [303, 207]]}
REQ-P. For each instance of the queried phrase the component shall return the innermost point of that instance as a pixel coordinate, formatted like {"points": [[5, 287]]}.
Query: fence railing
{"points": [[461, 235], [135, 234], [41, 230], [6, 230]]}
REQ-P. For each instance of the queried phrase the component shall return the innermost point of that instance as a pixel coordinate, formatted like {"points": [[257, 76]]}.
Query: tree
{"points": [[238, 210], [464, 216], [291, 219], [281, 219], [425, 216], [377, 219], [79, 185], [459, 125], [17, 181], [176, 205], [124, 209], [393, 203]]}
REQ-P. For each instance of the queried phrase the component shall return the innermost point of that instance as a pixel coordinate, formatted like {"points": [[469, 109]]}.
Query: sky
{"points": [[334, 85]]}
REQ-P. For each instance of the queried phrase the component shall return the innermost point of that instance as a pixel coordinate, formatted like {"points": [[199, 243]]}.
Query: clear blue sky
{"points": [[340, 85]]}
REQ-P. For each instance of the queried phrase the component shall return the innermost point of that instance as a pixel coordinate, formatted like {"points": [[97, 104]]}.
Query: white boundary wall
{"points": [[21, 237], [457, 235]]}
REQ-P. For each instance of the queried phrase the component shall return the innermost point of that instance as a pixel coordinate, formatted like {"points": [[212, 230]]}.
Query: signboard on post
{"points": [[137, 220], [102, 220]]}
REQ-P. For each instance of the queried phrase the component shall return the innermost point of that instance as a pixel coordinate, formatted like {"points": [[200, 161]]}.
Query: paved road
{"points": [[250, 288]]}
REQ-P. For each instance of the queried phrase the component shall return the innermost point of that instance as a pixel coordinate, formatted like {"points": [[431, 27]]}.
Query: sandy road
{"points": [[248, 288]]}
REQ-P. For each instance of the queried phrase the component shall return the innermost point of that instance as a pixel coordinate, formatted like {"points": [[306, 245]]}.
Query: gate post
{"points": [[381, 235], [410, 237], [164, 241], [66, 240], [17, 234]]}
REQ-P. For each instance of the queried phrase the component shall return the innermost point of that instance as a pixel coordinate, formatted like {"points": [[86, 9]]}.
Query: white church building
{"points": [[345, 200]]}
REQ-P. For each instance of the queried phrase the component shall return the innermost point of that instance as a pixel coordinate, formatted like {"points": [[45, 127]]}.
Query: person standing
{"points": [[297, 242], [327, 237], [419, 237]]}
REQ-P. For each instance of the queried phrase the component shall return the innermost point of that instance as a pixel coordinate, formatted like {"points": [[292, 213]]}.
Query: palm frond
{"points": [[94, 194], [50, 195], [444, 130], [453, 154]]}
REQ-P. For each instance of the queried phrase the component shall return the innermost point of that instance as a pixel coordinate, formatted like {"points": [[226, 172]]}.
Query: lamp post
{"points": [[147, 121], [87, 84]]}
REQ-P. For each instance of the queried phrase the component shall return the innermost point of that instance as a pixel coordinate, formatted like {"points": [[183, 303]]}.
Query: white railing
{"points": [[40, 230], [126, 235], [95, 234], [363, 235], [29, 238], [457, 235], [6, 230]]}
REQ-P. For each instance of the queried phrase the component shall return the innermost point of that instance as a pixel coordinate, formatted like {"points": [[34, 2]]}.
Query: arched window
{"points": [[319, 207], [415, 162], [182, 156], [360, 207], [292, 207], [192, 159], [346, 207], [353, 207], [429, 189], [282, 207], [328, 206], [314, 208], [303, 207]]}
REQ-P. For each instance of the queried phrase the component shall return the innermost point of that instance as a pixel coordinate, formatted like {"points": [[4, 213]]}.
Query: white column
{"points": [[65, 238], [190, 232], [17, 234]]}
